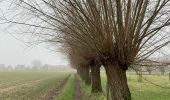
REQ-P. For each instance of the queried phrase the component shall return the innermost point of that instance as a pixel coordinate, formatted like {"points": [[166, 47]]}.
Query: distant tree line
{"points": [[45, 67]]}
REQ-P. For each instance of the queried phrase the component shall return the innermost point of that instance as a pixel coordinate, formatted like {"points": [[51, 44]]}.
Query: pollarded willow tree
{"points": [[120, 32], [85, 60], [81, 65]]}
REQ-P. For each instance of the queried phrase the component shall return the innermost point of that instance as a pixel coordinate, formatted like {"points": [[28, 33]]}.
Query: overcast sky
{"points": [[13, 51]]}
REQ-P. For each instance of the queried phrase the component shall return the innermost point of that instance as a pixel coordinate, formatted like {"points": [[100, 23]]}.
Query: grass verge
{"points": [[68, 91]]}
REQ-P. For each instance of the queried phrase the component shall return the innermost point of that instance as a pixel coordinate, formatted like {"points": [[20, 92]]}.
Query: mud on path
{"points": [[77, 95], [54, 92]]}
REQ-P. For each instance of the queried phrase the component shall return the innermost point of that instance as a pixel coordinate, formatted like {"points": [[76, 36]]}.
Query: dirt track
{"points": [[54, 92], [77, 95]]}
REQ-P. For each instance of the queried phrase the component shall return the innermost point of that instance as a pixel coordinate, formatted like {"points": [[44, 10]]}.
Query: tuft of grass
{"points": [[68, 91]]}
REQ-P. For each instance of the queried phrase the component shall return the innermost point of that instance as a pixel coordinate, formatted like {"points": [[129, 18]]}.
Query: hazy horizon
{"points": [[14, 52]]}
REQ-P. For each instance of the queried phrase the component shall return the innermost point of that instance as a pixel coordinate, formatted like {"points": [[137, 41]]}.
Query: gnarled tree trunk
{"points": [[81, 73], [117, 82], [87, 78], [84, 73], [96, 79], [78, 71]]}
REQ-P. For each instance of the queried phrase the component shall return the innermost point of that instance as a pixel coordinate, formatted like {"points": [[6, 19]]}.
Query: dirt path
{"points": [[77, 95], [53, 93]]}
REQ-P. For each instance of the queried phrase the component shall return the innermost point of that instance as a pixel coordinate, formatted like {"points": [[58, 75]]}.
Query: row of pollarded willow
{"points": [[88, 69], [118, 33]]}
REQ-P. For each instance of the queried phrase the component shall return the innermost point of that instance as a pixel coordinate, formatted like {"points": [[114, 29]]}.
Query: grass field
{"points": [[28, 85], [153, 87]]}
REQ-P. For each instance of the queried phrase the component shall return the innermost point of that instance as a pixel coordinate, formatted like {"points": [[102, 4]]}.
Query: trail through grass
{"points": [[68, 91]]}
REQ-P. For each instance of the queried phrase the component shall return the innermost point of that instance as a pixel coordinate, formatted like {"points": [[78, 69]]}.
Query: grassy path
{"points": [[55, 92], [67, 93], [77, 95]]}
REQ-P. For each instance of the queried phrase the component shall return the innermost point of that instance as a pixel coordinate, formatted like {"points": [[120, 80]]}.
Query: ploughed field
{"points": [[64, 86], [29, 85]]}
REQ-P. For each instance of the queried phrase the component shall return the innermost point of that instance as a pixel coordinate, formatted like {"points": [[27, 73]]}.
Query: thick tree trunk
{"points": [[87, 77], [96, 79], [108, 91], [117, 82], [78, 71], [84, 73], [81, 72]]}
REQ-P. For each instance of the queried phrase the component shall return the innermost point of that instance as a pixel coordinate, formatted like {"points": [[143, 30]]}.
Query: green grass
{"points": [[86, 93], [140, 90], [147, 91], [28, 85], [68, 91]]}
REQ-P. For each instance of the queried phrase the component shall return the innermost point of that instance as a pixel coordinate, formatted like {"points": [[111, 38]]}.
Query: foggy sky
{"points": [[13, 51]]}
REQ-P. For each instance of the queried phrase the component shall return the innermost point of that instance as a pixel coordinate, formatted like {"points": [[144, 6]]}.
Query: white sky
{"points": [[13, 51]]}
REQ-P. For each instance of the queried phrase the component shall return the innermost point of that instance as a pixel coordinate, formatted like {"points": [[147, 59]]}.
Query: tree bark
{"points": [[96, 79], [117, 82], [87, 78], [81, 73], [78, 71], [108, 96]]}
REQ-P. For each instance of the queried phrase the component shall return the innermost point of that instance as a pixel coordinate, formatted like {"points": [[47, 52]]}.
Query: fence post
{"points": [[140, 76], [169, 76]]}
